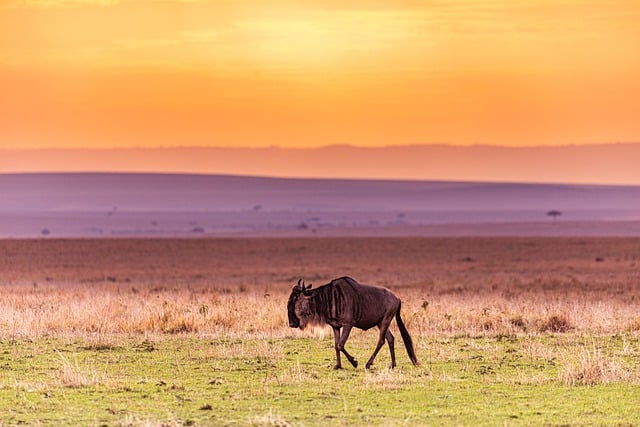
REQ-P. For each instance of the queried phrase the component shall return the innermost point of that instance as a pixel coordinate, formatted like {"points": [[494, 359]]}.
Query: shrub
{"points": [[555, 323]]}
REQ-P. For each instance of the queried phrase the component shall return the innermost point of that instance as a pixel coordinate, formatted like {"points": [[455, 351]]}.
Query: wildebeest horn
{"points": [[306, 290], [300, 284]]}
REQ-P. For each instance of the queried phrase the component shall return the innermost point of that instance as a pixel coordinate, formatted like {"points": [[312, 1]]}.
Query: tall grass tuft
{"points": [[593, 367], [270, 419], [73, 376]]}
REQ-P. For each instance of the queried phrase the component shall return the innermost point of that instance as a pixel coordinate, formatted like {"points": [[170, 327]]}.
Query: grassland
{"points": [[194, 332]]}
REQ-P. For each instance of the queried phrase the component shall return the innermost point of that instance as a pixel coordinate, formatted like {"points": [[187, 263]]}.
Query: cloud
{"points": [[15, 4], [324, 35]]}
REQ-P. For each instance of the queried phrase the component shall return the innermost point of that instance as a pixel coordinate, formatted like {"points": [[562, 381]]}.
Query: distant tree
{"points": [[45, 232], [554, 214]]}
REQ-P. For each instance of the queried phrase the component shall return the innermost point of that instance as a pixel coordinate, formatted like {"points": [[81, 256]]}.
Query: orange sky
{"points": [[295, 73]]}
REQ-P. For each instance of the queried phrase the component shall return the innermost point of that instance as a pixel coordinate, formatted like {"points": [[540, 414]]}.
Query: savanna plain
{"points": [[541, 331]]}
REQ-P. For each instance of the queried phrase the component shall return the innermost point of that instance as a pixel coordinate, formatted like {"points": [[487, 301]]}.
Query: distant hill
{"points": [[601, 164]]}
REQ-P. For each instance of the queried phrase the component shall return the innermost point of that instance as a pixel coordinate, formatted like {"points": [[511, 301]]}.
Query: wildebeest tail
{"points": [[406, 338]]}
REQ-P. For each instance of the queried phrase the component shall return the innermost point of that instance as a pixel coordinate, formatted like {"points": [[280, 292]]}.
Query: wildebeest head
{"points": [[297, 306]]}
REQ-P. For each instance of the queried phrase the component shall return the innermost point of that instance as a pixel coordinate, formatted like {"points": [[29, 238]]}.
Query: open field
{"points": [[194, 331]]}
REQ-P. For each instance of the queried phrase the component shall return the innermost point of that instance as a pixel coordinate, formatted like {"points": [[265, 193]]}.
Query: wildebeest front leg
{"points": [[336, 340], [339, 344], [384, 328]]}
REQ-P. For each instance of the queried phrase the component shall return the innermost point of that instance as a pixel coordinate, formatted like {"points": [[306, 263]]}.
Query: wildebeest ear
{"points": [[306, 290]]}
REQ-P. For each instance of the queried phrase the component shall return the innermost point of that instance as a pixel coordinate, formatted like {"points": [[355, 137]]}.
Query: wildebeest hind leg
{"points": [[390, 341], [384, 327]]}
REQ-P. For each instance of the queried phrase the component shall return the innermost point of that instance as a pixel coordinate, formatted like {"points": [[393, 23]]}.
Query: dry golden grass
{"points": [[72, 375], [269, 419], [386, 379], [238, 287], [592, 367]]}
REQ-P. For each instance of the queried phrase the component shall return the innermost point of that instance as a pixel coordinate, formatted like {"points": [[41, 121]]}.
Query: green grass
{"points": [[550, 379]]}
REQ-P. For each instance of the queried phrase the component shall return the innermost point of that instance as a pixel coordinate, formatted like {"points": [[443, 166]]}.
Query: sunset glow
{"points": [[147, 73]]}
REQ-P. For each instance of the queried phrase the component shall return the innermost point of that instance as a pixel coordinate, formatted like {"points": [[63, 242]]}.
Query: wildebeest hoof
{"points": [[354, 362], [337, 367]]}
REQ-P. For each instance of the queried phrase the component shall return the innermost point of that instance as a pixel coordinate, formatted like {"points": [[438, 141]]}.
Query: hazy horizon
{"points": [[607, 164], [170, 205]]}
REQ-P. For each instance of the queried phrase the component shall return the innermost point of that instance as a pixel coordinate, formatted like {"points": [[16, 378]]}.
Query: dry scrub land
{"points": [[194, 331]]}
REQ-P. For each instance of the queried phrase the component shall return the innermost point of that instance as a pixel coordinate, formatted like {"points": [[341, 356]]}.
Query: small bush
{"points": [[634, 325], [517, 321], [555, 323]]}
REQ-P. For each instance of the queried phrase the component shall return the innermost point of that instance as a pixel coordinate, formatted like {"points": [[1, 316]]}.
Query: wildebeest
{"points": [[343, 304]]}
